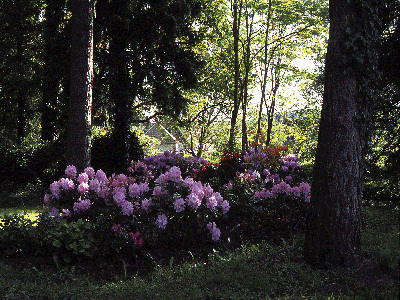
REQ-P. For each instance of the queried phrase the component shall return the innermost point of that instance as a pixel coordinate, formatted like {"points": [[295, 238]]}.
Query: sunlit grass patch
{"points": [[30, 213]]}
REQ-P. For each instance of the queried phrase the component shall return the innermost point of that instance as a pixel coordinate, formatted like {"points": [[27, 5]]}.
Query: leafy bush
{"points": [[17, 235]]}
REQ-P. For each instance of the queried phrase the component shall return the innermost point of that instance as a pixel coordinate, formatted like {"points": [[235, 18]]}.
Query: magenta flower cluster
{"points": [[163, 197]]}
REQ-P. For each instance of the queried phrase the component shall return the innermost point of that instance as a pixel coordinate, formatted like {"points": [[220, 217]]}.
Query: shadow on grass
{"points": [[263, 271]]}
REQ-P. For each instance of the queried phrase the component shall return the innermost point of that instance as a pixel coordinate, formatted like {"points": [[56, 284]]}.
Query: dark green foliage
{"points": [[105, 158], [22, 165], [20, 66], [18, 235], [383, 176]]}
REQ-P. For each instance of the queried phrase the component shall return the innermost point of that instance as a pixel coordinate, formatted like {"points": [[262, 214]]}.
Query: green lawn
{"points": [[263, 271]]}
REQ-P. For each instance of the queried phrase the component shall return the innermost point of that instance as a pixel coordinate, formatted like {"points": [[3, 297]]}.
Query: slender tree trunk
{"points": [[236, 103], [81, 82], [333, 233], [249, 32], [275, 79], [264, 83]]}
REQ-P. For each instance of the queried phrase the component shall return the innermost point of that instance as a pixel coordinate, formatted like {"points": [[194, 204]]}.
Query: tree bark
{"points": [[236, 103], [333, 231], [265, 76], [81, 82], [52, 76]]}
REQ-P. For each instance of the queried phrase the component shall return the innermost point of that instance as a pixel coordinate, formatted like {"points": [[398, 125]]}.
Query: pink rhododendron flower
{"points": [[138, 241], [127, 208], [285, 169], [194, 201], [307, 198], [146, 204], [82, 205], [94, 185], [119, 195], [101, 176], [102, 191], [55, 189], [296, 191], [305, 188], [211, 203], [179, 205], [83, 178], [215, 232], [83, 188], [46, 199], [225, 206], [158, 191], [288, 179], [66, 213], [116, 228], [208, 191], [54, 212], [162, 221], [189, 182], [282, 187], [136, 190], [218, 197], [90, 172], [67, 184], [70, 171], [122, 178], [263, 194]]}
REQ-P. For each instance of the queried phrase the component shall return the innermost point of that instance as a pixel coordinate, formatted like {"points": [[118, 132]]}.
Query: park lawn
{"points": [[255, 271], [31, 213]]}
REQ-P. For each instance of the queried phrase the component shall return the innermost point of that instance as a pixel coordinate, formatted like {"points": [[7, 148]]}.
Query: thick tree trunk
{"points": [[119, 85], [333, 233], [79, 123]]}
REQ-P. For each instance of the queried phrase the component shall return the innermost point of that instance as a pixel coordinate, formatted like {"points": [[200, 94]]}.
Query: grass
{"points": [[262, 271]]}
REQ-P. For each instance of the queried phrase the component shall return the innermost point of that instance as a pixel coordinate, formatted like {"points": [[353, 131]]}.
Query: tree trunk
{"points": [[264, 83], [119, 85], [236, 104], [81, 82], [333, 232], [51, 78]]}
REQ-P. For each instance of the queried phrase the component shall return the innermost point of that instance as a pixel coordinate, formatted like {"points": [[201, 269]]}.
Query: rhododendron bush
{"points": [[169, 200]]}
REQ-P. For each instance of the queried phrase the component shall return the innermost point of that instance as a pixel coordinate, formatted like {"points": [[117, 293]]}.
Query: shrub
{"points": [[136, 210]]}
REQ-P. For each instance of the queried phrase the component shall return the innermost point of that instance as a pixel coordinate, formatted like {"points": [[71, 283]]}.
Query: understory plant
{"points": [[169, 202]]}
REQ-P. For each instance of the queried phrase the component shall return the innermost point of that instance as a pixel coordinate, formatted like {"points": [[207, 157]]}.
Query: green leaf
{"points": [[57, 243]]}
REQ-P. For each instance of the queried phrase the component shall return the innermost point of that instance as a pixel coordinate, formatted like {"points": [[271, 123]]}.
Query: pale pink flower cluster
{"points": [[291, 161], [54, 212], [138, 189], [146, 204], [162, 221], [198, 192], [66, 213], [82, 205], [83, 188], [215, 232], [179, 205], [67, 184], [70, 171], [55, 189], [284, 188], [173, 174]]}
